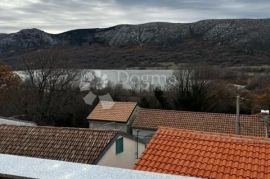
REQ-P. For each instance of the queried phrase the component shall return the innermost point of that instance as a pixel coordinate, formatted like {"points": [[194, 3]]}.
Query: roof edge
{"points": [[108, 121], [62, 128], [179, 111], [235, 136]]}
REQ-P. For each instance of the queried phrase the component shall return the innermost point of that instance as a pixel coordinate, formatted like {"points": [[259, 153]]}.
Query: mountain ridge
{"points": [[249, 36]]}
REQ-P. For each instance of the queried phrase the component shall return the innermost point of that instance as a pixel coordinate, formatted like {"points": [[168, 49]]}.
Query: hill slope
{"points": [[224, 42]]}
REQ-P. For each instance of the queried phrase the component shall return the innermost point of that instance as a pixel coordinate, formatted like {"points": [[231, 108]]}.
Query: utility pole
{"points": [[237, 115]]}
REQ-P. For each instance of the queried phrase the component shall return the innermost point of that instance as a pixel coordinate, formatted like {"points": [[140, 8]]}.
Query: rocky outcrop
{"points": [[252, 34], [219, 41], [155, 34], [246, 33], [26, 39]]}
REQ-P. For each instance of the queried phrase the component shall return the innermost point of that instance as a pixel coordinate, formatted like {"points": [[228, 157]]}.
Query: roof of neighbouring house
{"points": [[206, 155], [201, 121], [13, 121], [112, 111], [66, 144]]}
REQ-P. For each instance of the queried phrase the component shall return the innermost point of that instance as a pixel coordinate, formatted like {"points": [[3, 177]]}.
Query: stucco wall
{"points": [[145, 135], [108, 125], [126, 159]]}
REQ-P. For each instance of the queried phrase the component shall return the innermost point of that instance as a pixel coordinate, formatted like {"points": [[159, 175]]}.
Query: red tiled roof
{"points": [[207, 155], [201, 121], [66, 144], [112, 111]]}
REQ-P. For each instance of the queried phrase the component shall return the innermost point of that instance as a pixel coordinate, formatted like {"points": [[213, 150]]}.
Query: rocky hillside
{"points": [[26, 39], [248, 38]]}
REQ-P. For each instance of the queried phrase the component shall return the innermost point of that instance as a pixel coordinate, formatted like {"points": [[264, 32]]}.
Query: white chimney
{"points": [[265, 119], [265, 112], [265, 115]]}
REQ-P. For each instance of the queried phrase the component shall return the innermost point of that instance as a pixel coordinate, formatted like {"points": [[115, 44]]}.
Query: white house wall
{"points": [[108, 125], [126, 159]]}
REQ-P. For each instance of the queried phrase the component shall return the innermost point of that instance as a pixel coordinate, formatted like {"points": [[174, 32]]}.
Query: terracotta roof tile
{"points": [[201, 121], [112, 111], [66, 144], [215, 155]]}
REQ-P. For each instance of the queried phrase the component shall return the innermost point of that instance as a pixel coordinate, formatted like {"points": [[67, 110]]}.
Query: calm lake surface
{"points": [[130, 79]]}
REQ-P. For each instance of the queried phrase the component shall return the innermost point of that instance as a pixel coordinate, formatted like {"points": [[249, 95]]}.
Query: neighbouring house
{"points": [[206, 154], [100, 147], [148, 120], [113, 115], [12, 166], [14, 121]]}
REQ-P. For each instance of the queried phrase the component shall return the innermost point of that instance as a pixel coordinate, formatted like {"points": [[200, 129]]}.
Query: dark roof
{"points": [[201, 121], [112, 111], [66, 144], [206, 155]]}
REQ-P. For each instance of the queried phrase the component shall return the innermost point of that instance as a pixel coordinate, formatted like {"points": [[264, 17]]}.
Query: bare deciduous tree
{"points": [[191, 89], [50, 81]]}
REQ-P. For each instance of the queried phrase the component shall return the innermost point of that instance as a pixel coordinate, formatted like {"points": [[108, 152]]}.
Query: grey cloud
{"points": [[58, 15], [174, 4], [208, 8], [191, 4]]}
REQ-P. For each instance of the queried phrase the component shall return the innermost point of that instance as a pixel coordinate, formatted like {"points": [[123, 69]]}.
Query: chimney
{"points": [[265, 119]]}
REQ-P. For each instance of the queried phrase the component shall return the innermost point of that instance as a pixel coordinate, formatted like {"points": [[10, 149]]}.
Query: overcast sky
{"points": [[61, 15]]}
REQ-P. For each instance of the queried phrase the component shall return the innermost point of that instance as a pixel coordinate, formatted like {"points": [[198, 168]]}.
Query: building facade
{"points": [[99, 147], [113, 115]]}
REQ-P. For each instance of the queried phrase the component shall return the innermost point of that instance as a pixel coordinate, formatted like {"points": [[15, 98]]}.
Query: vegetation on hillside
{"points": [[51, 96]]}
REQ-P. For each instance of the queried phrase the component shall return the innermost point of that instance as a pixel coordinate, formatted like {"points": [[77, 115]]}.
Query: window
{"points": [[119, 145]]}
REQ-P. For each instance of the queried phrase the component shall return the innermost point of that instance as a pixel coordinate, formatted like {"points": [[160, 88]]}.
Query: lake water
{"points": [[130, 79]]}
